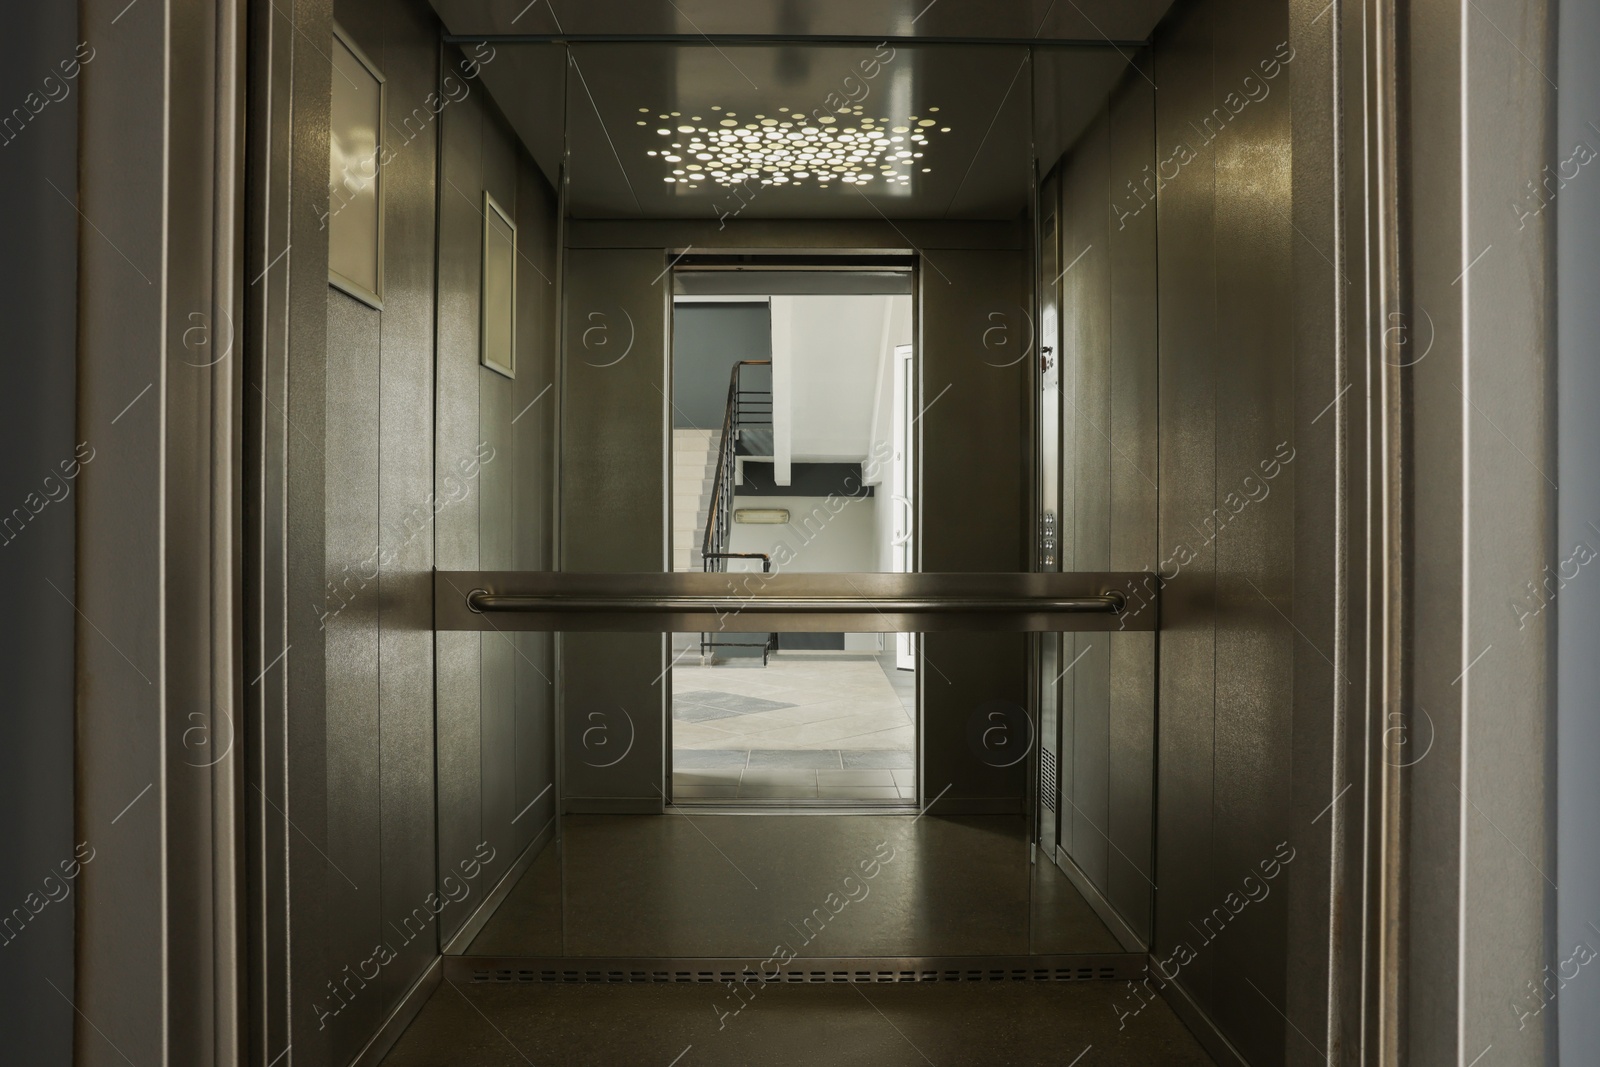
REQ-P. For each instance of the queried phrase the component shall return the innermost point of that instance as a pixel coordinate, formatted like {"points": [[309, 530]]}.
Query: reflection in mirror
{"points": [[820, 794]]}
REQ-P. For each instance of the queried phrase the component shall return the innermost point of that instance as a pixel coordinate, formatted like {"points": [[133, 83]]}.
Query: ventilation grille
{"points": [[1047, 778], [721, 976]]}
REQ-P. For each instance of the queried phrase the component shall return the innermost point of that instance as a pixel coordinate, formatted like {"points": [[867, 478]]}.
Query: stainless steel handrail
{"points": [[1111, 603]]}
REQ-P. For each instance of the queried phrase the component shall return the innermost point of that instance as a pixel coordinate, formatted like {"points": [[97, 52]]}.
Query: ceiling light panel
{"points": [[790, 148]]}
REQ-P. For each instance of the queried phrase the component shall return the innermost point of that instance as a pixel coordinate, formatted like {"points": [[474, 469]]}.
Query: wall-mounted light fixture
{"points": [[769, 516]]}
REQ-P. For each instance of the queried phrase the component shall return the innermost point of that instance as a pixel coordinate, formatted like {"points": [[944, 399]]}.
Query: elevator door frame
{"points": [[905, 373]]}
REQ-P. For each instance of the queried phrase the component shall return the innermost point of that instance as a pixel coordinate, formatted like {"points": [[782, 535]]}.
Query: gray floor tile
{"points": [[779, 790], [705, 792], [858, 792], [683, 778], [705, 759], [878, 758], [800, 758], [736, 702], [844, 779]]}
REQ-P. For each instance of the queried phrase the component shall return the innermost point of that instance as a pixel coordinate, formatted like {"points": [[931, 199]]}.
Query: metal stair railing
{"points": [[745, 409]]}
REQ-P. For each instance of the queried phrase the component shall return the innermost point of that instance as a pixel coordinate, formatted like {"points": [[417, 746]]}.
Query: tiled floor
{"points": [[808, 726]]}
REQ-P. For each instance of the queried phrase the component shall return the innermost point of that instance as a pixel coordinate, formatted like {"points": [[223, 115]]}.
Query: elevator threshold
{"points": [[781, 806], [679, 970]]}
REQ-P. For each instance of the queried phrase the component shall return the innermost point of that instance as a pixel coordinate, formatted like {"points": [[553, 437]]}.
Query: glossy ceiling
{"points": [[1073, 20], [897, 130]]}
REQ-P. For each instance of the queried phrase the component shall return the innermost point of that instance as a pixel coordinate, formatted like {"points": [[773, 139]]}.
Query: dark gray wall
{"points": [[613, 517], [1108, 498], [378, 476], [423, 463], [974, 479], [707, 340], [1227, 406], [1178, 399], [37, 434], [494, 475]]}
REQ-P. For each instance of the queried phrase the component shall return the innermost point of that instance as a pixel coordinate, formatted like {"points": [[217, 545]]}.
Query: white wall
{"points": [[826, 352], [819, 536], [896, 331]]}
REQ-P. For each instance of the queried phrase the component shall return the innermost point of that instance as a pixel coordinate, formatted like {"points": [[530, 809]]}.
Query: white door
{"points": [[900, 489]]}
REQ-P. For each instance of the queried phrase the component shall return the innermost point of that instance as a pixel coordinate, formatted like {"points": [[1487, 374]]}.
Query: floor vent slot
{"points": [[724, 976], [1047, 777]]}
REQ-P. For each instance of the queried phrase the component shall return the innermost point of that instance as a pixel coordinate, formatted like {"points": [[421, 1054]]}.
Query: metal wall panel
{"points": [[1254, 539], [1069, 285], [1186, 248], [1131, 255], [974, 499], [495, 513], [495, 458], [354, 901], [613, 512], [405, 479], [455, 524], [533, 425], [1089, 392]]}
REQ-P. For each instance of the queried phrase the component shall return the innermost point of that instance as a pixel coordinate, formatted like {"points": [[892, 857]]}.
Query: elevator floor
{"points": [[684, 884], [993, 1024]]}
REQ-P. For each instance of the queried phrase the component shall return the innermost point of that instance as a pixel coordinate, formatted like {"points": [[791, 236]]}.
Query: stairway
{"points": [[694, 465]]}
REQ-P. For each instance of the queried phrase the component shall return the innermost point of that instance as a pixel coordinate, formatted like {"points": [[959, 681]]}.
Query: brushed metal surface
{"points": [[1254, 542], [613, 512], [354, 900], [1131, 255], [496, 511], [533, 427], [409, 853], [613, 449], [456, 501], [1090, 22], [976, 492], [661, 602], [1183, 59], [493, 504], [1088, 390]]}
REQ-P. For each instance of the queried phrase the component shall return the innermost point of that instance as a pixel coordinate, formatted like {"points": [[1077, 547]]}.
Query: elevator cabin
{"points": [[778, 526]]}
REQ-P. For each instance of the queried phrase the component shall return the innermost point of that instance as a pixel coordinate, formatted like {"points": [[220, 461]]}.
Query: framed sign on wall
{"points": [[499, 288], [355, 179]]}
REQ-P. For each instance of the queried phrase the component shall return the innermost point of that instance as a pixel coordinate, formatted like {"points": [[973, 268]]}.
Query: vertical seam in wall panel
{"points": [[1211, 844], [1154, 855], [378, 524], [433, 473], [162, 613]]}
